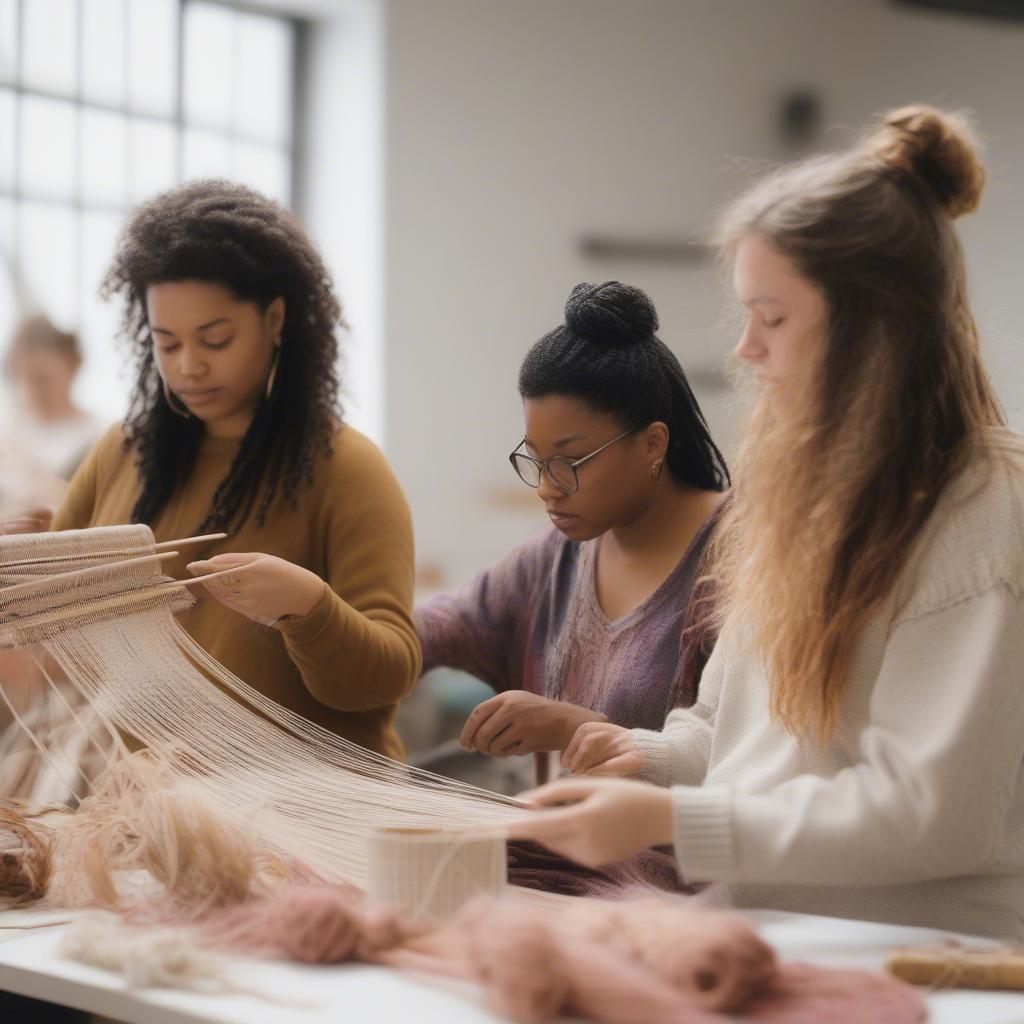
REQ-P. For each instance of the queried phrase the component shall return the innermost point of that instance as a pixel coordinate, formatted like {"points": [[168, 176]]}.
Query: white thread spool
{"points": [[427, 874]]}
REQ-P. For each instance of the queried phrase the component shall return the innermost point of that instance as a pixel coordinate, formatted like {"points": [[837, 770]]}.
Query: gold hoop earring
{"points": [[273, 370], [179, 409]]}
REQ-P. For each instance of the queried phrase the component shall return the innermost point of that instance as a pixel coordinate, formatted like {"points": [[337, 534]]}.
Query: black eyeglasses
{"points": [[560, 470]]}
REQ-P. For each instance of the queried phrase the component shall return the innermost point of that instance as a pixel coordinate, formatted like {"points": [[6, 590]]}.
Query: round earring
{"points": [[656, 469], [178, 409], [273, 369]]}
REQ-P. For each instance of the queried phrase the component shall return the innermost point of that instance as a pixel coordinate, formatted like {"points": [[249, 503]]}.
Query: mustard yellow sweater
{"points": [[346, 664]]}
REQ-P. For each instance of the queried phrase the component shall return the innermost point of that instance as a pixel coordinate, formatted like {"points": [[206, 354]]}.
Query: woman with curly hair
{"points": [[235, 426]]}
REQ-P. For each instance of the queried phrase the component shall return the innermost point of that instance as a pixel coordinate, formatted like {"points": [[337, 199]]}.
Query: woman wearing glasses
{"points": [[596, 620]]}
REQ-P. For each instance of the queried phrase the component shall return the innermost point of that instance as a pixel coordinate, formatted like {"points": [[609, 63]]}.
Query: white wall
{"points": [[515, 126], [342, 184], [458, 149]]}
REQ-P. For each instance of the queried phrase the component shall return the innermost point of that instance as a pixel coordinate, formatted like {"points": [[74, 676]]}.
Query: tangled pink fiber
{"points": [[652, 960]]}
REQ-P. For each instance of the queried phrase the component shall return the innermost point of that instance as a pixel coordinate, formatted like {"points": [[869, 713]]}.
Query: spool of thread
{"points": [[426, 875], [955, 966]]}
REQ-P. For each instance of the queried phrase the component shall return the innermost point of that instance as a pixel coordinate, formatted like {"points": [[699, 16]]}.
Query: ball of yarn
{"points": [[716, 959], [612, 314], [316, 925], [26, 859], [517, 962]]}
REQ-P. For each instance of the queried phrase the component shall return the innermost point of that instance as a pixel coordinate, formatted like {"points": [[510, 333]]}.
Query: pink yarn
{"points": [[312, 923], [806, 994], [715, 957], [654, 960], [532, 973]]}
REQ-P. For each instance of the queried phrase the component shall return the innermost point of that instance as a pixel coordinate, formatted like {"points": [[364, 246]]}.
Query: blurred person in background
{"points": [[45, 438], [46, 435]]}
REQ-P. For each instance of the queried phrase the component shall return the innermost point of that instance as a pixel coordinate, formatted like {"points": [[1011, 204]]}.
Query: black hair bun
{"points": [[612, 314]]}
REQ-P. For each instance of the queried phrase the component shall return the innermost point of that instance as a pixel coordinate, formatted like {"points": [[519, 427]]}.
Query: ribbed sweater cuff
{"points": [[703, 833], [654, 746], [304, 628]]}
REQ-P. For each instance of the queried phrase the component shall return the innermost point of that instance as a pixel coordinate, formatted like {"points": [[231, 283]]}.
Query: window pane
{"points": [[152, 55], [263, 83], [102, 385], [104, 157], [47, 257], [152, 159], [206, 155], [50, 57], [8, 38], [209, 61], [103, 51], [263, 168], [6, 234], [8, 291], [6, 139], [47, 155]]}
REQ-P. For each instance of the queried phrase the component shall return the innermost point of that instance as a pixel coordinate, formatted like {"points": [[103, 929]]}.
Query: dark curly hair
{"points": [[224, 233]]}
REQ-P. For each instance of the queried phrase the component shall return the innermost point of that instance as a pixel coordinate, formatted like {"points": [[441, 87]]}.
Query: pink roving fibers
{"points": [[312, 923], [655, 960]]}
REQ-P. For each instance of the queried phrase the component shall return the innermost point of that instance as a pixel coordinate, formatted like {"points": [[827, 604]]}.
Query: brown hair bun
{"points": [[937, 148]]}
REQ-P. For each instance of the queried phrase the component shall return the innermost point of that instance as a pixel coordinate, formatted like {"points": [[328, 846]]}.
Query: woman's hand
{"points": [[607, 820], [31, 520], [264, 589], [600, 748], [518, 722]]}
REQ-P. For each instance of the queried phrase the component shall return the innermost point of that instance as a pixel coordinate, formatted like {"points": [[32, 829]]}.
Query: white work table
{"points": [[352, 994]]}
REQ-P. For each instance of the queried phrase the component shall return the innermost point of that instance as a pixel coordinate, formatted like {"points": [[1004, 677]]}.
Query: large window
{"points": [[102, 104]]}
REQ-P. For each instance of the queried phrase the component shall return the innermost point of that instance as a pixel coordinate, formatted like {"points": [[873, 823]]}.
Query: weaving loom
{"points": [[95, 601]]}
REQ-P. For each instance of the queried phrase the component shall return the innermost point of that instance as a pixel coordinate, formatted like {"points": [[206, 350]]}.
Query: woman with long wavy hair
{"points": [[857, 748], [235, 425]]}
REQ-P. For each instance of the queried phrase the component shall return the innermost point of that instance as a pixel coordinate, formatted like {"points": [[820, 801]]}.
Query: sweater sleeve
{"points": [[357, 648], [481, 627], [933, 785], [679, 754]]}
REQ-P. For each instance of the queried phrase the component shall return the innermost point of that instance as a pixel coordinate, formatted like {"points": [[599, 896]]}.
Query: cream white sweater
{"points": [[914, 812]]}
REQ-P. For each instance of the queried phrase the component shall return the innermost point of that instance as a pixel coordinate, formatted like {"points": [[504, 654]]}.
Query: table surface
{"points": [[30, 965]]}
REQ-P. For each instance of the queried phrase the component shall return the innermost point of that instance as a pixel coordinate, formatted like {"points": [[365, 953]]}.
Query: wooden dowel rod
{"points": [[84, 555], [129, 597], [80, 557], [200, 579], [40, 584], [189, 540]]}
